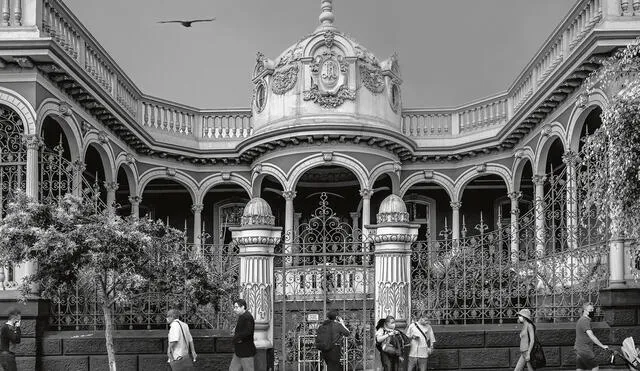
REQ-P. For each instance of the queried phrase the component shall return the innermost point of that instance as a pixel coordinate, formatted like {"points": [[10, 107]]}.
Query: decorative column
{"points": [[515, 214], [288, 218], [6, 13], [570, 158], [256, 239], [393, 238], [135, 206], [196, 209], [616, 249], [455, 219], [17, 12], [111, 188], [33, 143], [355, 223], [366, 210], [538, 184]]}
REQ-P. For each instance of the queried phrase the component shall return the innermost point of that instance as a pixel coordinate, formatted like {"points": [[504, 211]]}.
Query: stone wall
{"points": [[478, 347], [136, 350], [495, 347]]}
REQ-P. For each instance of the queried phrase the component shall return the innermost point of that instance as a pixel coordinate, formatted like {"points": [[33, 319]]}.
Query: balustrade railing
{"points": [[166, 118], [423, 123], [484, 115], [231, 124]]}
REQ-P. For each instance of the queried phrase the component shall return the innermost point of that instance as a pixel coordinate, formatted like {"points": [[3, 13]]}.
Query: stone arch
{"points": [[337, 159], [22, 108], [130, 170], [526, 155], [106, 155], [389, 168], [542, 149], [472, 173], [161, 173], [258, 176], [216, 179], [70, 127], [437, 178], [578, 117]]}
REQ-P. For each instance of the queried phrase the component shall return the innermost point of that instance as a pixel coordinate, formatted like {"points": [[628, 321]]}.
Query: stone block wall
{"points": [[136, 350], [495, 347]]}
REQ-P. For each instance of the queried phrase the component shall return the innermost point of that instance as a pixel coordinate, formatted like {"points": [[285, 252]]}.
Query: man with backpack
{"points": [[328, 338]]}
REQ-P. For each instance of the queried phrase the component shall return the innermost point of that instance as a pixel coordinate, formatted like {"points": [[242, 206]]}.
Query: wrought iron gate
{"points": [[326, 264]]}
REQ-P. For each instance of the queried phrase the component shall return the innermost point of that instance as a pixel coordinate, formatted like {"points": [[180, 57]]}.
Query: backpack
{"points": [[324, 337], [537, 360]]}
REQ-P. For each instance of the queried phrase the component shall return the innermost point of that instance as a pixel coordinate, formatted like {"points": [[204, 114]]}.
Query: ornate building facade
{"points": [[383, 209]]}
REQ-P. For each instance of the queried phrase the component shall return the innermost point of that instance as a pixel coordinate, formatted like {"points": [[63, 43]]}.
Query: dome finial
{"points": [[326, 17]]}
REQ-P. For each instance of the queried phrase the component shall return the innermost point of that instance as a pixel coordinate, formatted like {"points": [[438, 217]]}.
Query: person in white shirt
{"points": [[180, 342], [422, 341]]}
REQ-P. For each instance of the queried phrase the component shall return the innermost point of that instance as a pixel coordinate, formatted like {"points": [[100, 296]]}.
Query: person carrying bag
{"points": [[180, 344]]}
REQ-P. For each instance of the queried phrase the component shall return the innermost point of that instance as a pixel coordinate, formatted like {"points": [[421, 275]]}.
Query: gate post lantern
{"points": [[393, 238], [256, 239]]}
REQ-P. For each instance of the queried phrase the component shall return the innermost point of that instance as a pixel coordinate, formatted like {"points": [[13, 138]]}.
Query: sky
{"points": [[451, 52]]}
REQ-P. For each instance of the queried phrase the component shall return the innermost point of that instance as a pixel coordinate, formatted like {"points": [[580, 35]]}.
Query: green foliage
{"points": [[612, 154]]}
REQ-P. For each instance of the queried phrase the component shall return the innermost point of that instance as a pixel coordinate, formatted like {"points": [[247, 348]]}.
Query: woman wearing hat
{"points": [[527, 335]]}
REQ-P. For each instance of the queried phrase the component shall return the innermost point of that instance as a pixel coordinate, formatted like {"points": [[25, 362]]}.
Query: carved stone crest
{"points": [[328, 38], [284, 79], [372, 78], [329, 75]]}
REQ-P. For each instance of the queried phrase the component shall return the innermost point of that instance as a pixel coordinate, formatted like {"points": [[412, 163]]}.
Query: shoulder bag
{"points": [[184, 363], [537, 358], [426, 339]]}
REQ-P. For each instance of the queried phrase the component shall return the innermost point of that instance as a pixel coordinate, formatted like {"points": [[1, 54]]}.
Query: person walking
{"points": [[527, 337], [585, 357], [385, 335], [9, 336], [180, 343], [244, 349], [334, 328], [422, 342]]}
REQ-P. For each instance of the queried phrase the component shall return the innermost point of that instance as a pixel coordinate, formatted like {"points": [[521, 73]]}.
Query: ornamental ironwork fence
{"points": [[79, 308], [552, 261]]}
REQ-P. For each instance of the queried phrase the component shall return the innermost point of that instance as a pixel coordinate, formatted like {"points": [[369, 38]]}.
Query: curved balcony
{"points": [[76, 61]]}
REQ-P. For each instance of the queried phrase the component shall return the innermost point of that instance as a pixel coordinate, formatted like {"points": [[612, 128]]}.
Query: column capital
{"points": [[79, 165], [366, 193], [289, 195], [455, 205], [32, 141], [135, 199], [515, 196], [197, 208], [111, 186], [571, 158], [538, 179]]}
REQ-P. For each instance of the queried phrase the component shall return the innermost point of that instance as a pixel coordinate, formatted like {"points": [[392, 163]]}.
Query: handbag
{"points": [[537, 358], [184, 363], [390, 348]]}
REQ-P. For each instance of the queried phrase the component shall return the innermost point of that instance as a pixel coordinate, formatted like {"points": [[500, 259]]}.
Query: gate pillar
{"points": [[393, 237], [256, 239]]}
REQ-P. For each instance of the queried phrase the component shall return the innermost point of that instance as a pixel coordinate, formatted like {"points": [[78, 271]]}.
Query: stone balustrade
{"points": [[164, 117], [227, 124], [482, 115], [425, 123]]}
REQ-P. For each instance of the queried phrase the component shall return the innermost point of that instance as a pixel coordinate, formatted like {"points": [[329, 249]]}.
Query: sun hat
{"points": [[526, 313]]}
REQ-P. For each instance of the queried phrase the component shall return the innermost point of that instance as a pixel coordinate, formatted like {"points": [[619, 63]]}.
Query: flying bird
{"points": [[188, 23]]}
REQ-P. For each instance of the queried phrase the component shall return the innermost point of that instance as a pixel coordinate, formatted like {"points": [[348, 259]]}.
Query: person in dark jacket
{"points": [[332, 356], [243, 346], [9, 335]]}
